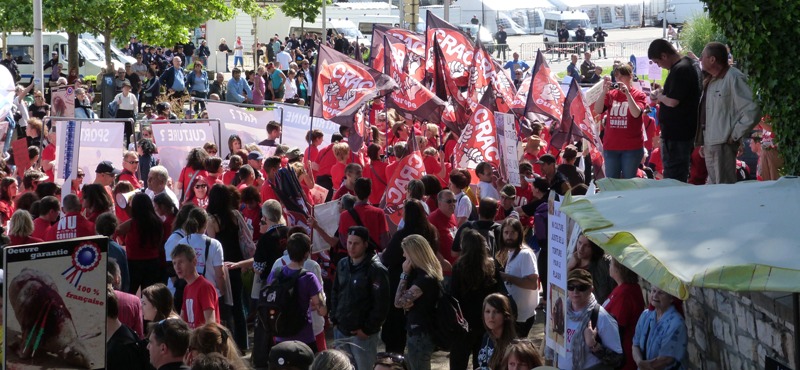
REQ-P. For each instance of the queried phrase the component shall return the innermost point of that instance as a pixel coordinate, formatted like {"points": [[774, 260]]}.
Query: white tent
{"points": [[516, 17], [607, 13]]}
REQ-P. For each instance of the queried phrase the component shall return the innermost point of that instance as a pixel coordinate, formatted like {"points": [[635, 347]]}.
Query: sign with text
{"points": [[54, 308], [249, 125], [556, 325], [62, 101], [296, 122], [175, 141], [99, 141], [508, 145], [327, 216]]}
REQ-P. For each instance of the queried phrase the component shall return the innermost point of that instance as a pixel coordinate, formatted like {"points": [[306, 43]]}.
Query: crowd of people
{"points": [[194, 252]]}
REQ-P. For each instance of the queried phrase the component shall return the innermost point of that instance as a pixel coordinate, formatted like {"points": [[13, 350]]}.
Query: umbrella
{"points": [[738, 237]]}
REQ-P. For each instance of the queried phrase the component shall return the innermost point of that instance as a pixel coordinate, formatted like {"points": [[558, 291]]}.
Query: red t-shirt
{"points": [[253, 218], [626, 303], [623, 131], [655, 160], [134, 245], [372, 218], [227, 177], [130, 312], [20, 240], [49, 154], [131, 178], [524, 196], [122, 216], [40, 227], [377, 173], [267, 192], [199, 296], [449, 148], [186, 176], [447, 227], [341, 192], [530, 158], [325, 160], [311, 153], [6, 209], [337, 174], [72, 225]]}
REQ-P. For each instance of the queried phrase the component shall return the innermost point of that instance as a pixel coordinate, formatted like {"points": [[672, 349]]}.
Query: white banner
{"points": [[66, 157], [593, 93], [296, 123], [507, 132], [175, 141], [251, 126], [99, 141], [556, 324], [62, 101], [327, 216]]}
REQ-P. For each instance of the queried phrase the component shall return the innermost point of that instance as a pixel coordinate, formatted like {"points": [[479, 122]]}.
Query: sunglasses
{"points": [[450, 201], [394, 357], [132, 162], [200, 186], [81, 175], [580, 288]]}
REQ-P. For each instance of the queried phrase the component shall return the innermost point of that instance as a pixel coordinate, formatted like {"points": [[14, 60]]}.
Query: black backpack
{"points": [[473, 214], [449, 321], [278, 307]]}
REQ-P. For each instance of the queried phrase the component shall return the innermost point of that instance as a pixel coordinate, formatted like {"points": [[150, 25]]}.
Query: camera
{"points": [[614, 86]]}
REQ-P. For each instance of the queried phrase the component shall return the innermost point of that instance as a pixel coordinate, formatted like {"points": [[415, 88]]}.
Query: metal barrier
{"points": [[555, 51]]}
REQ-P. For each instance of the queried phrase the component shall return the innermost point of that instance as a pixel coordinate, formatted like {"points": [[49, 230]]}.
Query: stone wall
{"points": [[734, 331]]}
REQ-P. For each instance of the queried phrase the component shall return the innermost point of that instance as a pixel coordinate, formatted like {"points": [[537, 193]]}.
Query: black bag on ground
{"points": [[449, 321], [278, 307]]}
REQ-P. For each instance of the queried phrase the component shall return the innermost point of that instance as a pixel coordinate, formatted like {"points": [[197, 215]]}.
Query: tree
{"points": [[306, 10], [699, 31], [763, 37]]}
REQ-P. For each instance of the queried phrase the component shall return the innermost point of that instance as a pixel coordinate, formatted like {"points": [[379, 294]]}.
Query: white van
{"points": [[572, 19], [365, 23], [21, 48], [346, 28], [680, 11]]}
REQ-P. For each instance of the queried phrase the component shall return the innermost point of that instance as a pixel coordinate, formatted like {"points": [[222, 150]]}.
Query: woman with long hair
{"points": [[234, 145], [590, 257], [195, 166], [167, 210], [213, 338], [22, 228], [393, 330], [500, 325], [198, 194], [417, 293], [95, 201], [8, 191], [475, 276], [145, 248], [122, 187], [521, 276], [157, 303], [222, 226], [521, 354]]}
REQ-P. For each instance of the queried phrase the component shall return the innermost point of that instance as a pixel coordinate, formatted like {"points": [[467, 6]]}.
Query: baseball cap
{"points": [[256, 156], [290, 354], [106, 167], [541, 184], [294, 153], [547, 158], [580, 276]]}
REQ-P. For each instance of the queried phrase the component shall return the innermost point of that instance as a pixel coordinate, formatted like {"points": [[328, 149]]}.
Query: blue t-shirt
{"points": [[514, 66], [666, 337], [572, 71], [308, 286], [178, 84], [277, 80]]}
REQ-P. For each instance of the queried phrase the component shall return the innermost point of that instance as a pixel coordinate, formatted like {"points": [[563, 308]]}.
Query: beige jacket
{"points": [[730, 109]]}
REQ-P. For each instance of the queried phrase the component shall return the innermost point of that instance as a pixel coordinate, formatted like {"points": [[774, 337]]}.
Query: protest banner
{"points": [[175, 141], [55, 305], [508, 144], [478, 142], [67, 161], [654, 71], [556, 326], [99, 141], [593, 93], [296, 121], [327, 217], [641, 65], [251, 126], [62, 101]]}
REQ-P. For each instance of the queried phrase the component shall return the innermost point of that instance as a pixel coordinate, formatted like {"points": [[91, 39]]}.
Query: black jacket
{"points": [[361, 296]]}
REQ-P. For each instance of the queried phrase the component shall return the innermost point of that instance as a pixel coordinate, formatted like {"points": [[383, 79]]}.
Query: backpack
{"points": [[449, 321], [278, 305], [473, 215], [489, 234], [137, 347], [608, 359]]}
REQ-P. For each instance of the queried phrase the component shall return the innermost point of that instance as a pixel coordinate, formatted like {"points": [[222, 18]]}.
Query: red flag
{"points": [[577, 121], [504, 88], [358, 132], [376, 51], [415, 48], [343, 85], [411, 99], [456, 46], [410, 168], [447, 76], [521, 98], [478, 141], [481, 75], [545, 96]]}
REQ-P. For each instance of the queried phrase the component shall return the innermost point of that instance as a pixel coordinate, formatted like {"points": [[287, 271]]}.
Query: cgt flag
{"points": [[577, 121], [412, 99], [545, 96], [410, 168], [343, 85]]}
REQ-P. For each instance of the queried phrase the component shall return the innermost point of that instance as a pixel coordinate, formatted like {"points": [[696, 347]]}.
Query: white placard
{"points": [[296, 121], [250, 125], [175, 141], [642, 66], [557, 280], [507, 131], [593, 93], [99, 141], [327, 216], [654, 71]]}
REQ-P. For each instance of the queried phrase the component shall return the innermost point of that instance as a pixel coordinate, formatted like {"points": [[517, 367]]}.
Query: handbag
{"points": [[113, 107], [246, 244]]}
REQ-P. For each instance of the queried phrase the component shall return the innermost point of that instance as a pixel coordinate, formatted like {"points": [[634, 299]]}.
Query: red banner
{"points": [[481, 75], [545, 96], [412, 99], [457, 49], [478, 141], [577, 121], [343, 85], [410, 168]]}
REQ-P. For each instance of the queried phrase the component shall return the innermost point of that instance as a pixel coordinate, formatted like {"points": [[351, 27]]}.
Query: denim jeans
{"points": [[238, 61], [363, 351], [622, 164], [419, 350], [676, 156]]}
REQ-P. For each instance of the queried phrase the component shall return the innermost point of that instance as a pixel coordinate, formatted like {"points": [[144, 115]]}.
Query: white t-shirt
{"points": [[317, 321], [523, 264], [169, 245], [127, 102], [463, 205], [487, 190], [289, 88], [215, 257], [284, 59], [22, 108], [238, 49], [608, 332]]}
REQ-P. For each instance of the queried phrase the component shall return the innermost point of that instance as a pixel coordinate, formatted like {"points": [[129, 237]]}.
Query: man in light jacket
{"points": [[727, 113]]}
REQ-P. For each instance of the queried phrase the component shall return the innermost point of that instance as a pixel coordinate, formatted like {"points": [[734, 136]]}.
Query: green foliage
{"points": [[699, 31], [9, 15], [305, 10], [764, 37]]}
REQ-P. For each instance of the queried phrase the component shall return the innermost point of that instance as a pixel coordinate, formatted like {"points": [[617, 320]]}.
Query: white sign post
{"points": [[507, 132]]}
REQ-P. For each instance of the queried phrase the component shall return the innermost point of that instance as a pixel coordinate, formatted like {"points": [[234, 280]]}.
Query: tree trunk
{"points": [[107, 49], [74, 56]]}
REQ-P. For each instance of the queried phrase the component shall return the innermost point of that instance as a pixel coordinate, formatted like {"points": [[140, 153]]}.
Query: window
{"points": [[22, 54]]}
